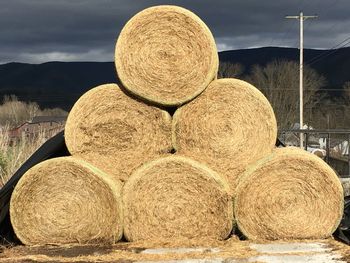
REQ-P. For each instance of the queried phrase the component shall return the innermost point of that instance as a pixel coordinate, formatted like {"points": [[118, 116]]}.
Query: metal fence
{"points": [[324, 134]]}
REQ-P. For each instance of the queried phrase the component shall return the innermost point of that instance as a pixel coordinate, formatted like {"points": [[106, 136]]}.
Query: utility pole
{"points": [[301, 18]]}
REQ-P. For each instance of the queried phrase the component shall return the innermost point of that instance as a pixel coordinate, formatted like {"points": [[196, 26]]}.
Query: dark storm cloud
{"points": [[37, 31]]}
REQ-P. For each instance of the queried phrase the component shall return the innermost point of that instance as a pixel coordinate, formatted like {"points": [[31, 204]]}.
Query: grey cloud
{"points": [[36, 31]]}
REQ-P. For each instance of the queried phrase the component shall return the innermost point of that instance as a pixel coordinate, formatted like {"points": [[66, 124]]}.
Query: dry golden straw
{"points": [[166, 55], [227, 127], [116, 133], [175, 198], [66, 200], [290, 194]]}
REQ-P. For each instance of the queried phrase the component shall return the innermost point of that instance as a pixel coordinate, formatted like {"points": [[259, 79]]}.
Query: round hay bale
{"points": [[166, 55], [319, 152], [176, 198], [290, 194], [228, 127], [116, 133], [66, 200]]}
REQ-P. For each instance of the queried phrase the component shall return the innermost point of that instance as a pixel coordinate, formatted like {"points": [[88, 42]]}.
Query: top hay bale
{"points": [[116, 133], [290, 194], [230, 125], [166, 55]]}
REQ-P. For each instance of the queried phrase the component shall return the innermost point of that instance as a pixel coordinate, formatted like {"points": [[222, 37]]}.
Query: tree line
{"points": [[14, 112], [279, 82]]}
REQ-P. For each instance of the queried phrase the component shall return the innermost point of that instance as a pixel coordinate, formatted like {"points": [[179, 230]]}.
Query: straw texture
{"points": [[116, 133], [166, 55], [175, 198], [65, 200], [227, 127], [291, 194]]}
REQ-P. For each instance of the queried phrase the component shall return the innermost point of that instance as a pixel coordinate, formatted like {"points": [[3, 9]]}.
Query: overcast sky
{"points": [[36, 31]]}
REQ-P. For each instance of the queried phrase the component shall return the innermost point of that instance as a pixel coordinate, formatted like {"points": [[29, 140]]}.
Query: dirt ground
{"points": [[231, 250]]}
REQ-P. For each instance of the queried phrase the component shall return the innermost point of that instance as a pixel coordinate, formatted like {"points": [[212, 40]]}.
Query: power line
{"points": [[307, 25], [289, 29], [329, 7], [286, 32], [331, 51]]}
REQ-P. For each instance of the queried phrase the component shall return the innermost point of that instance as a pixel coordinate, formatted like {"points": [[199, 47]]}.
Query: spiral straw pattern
{"points": [[65, 200], [230, 125], [175, 198], [290, 194], [115, 132], [166, 55]]}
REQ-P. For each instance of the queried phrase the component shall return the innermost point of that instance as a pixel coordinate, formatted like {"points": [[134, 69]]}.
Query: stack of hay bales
{"points": [[136, 170]]}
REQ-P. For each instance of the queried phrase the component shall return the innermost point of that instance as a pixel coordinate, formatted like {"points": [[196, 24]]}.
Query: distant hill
{"points": [[60, 84], [334, 65], [54, 84]]}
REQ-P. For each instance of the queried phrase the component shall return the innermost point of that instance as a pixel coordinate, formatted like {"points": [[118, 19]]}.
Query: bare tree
{"points": [[230, 70], [279, 82], [14, 112], [53, 112], [33, 109], [346, 90], [346, 104]]}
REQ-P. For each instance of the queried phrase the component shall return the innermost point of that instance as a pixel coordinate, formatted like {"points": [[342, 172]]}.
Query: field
{"points": [[14, 154]]}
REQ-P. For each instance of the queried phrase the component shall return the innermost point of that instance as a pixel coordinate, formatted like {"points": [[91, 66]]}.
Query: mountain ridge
{"points": [[60, 84]]}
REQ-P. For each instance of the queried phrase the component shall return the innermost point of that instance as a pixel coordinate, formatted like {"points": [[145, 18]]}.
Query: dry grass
{"points": [[225, 251], [13, 155], [129, 252], [14, 112]]}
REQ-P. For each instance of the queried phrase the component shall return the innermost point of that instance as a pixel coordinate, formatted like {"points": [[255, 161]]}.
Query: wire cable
{"points": [[331, 51]]}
